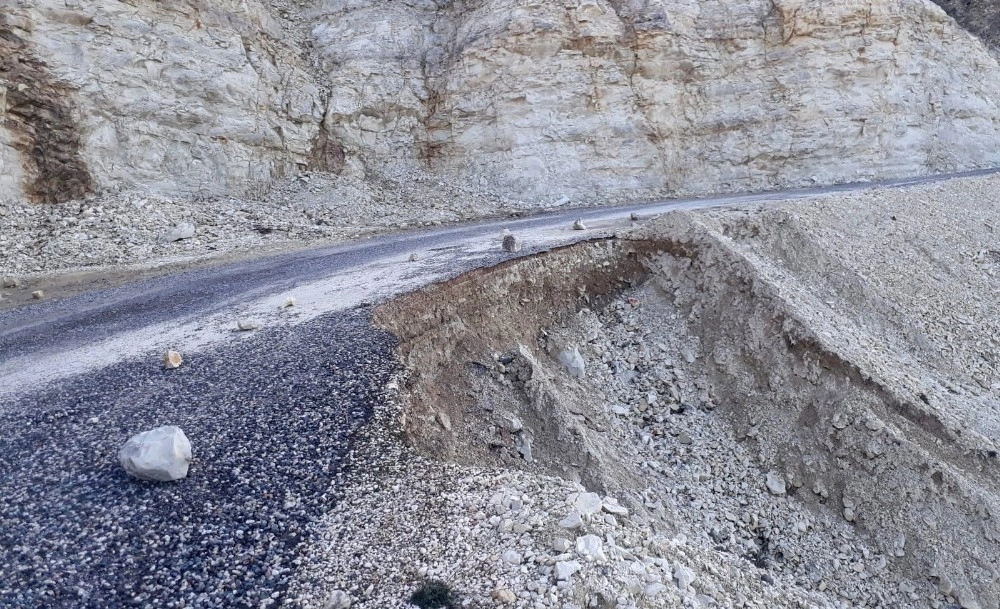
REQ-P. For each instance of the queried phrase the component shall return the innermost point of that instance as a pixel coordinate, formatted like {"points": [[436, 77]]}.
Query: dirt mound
{"points": [[808, 391]]}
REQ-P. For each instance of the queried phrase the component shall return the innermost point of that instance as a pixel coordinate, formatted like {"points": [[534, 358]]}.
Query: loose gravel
{"points": [[271, 419]]}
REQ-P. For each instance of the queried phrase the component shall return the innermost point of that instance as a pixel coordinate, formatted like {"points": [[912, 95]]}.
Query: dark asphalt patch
{"points": [[271, 419]]}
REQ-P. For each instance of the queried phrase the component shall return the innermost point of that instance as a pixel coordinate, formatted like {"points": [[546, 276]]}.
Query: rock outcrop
{"points": [[567, 99], [585, 97], [191, 97]]}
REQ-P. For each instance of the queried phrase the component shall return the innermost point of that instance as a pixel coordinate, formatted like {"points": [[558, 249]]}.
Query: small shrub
{"points": [[433, 594]]}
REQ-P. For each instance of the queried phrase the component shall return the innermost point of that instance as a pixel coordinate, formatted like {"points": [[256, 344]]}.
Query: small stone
{"points": [[653, 589], [566, 569], [874, 424], [503, 595], [588, 503], [775, 483], [512, 557], [184, 230], [579, 225], [511, 244], [339, 600], [38, 294], [634, 217], [246, 325], [849, 514], [688, 355], [172, 359], [612, 506], [414, 257], [684, 577], [573, 361], [840, 421], [444, 420], [162, 454], [522, 442], [288, 303], [561, 545], [591, 547], [11, 282], [515, 425], [571, 521], [684, 438]]}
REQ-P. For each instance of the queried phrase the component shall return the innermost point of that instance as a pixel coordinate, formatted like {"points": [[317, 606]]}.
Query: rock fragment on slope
{"points": [[184, 230]]}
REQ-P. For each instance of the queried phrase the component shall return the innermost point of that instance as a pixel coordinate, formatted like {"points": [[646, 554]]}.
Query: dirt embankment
{"points": [[809, 391]]}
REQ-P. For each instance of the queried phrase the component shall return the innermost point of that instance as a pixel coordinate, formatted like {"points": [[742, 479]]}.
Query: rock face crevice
{"points": [[38, 116]]}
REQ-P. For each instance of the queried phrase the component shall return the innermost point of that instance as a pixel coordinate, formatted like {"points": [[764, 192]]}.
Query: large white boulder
{"points": [[161, 454]]}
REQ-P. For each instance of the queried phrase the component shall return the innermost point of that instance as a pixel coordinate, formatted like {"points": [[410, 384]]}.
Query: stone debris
{"points": [[184, 230], [775, 483], [162, 454], [512, 557], [683, 576], [338, 600], [245, 325], [11, 282], [511, 244], [591, 547], [744, 462], [522, 441], [572, 360], [579, 225], [288, 303], [414, 257], [588, 503], [571, 521], [38, 294], [565, 569], [172, 359], [504, 595], [444, 420]]}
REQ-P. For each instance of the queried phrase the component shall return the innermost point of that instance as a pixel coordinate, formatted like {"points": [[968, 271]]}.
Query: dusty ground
{"points": [[782, 406], [119, 236]]}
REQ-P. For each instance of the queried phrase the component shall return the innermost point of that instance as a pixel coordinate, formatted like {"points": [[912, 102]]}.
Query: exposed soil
{"points": [[807, 395]]}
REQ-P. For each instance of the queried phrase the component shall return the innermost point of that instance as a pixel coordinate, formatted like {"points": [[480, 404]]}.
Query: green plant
{"points": [[433, 594]]}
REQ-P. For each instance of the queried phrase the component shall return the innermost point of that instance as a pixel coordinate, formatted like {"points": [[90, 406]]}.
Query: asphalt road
{"points": [[270, 413]]}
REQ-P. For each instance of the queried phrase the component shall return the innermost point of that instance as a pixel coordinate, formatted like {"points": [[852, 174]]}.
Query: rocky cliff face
{"points": [[190, 96], [562, 99]]}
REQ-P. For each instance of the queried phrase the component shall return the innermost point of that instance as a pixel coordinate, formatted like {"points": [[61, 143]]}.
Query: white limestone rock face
{"points": [[177, 97], [583, 98], [568, 100], [162, 454]]}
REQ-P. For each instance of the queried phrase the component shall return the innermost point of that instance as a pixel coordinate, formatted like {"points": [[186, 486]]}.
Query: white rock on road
{"points": [[172, 359], [162, 454], [246, 325]]}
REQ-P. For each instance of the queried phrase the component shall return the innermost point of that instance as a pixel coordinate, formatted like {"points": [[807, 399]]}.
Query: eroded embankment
{"points": [[717, 351]]}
